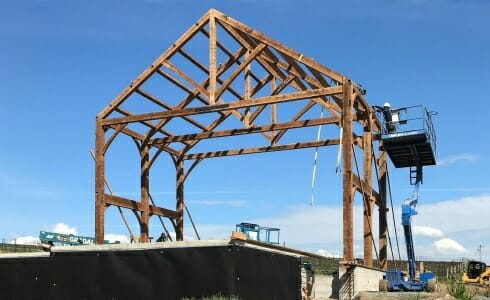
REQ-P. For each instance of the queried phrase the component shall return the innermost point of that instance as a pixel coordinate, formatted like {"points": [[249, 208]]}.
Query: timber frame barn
{"points": [[223, 79]]}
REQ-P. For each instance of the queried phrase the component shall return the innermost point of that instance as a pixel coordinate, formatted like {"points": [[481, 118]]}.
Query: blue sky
{"points": [[61, 63]]}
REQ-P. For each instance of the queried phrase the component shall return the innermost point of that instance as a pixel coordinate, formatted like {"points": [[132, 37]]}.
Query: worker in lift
{"points": [[387, 115]]}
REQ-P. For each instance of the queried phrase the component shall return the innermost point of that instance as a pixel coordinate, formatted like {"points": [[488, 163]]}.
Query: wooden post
{"points": [[99, 182], [248, 69], [348, 193], [367, 200], [145, 194], [383, 211], [180, 178], [212, 57]]}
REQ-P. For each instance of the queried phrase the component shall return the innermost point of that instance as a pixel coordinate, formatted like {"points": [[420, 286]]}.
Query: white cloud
{"points": [[112, 238], [317, 227], [234, 203], [468, 213], [428, 231], [63, 228], [447, 246], [327, 253], [211, 231], [455, 158]]}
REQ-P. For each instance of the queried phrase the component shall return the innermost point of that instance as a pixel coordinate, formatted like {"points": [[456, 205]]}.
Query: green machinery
{"points": [[53, 238]]}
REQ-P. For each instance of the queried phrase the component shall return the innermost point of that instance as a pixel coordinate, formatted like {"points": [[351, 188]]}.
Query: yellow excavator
{"points": [[477, 272]]}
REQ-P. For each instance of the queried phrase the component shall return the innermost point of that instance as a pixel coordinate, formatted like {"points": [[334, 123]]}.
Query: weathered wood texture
{"points": [[248, 79]]}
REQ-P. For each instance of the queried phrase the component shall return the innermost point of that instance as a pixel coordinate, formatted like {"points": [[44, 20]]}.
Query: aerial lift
{"points": [[409, 139]]}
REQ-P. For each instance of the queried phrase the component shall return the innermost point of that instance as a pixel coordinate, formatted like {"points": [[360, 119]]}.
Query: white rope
{"points": [[338, 170], [314, 162]]}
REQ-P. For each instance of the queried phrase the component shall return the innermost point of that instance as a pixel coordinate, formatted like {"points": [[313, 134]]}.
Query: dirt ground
{"points": [[477, 293]]}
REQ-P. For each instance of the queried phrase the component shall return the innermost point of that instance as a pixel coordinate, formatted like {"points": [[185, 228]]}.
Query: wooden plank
{"points": [[166, 106], [136, 206], [242, 131], [225, 106], [238, 70], [155, 65], [244, 151], [148, 124], [276, 91], [222, 19], [269, 63], [187, 78], [298, 115]]}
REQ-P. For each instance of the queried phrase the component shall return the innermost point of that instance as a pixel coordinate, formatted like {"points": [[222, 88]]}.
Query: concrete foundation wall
{"points": [[326, 287], [356, 278]]}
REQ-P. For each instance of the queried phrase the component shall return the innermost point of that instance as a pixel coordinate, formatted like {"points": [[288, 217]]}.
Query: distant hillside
{"points": [[442, 269], [12, 248]]}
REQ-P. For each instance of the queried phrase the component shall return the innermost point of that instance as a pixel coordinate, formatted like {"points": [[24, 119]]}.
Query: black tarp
{"points": [[157, 273]]}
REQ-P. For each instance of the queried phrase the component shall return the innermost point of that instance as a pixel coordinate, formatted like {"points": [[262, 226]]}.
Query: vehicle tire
{"points": [[383, 285], [431, 285]]}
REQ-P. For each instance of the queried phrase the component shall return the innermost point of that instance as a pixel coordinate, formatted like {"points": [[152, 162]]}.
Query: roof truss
{"points": [[222, 79]]}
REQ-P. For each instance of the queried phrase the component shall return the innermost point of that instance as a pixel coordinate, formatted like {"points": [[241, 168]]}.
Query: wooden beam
{"points": [[99, 182], [347, 179], [137, 206], [212, 58], [180, 204], [155, 65], [242, 131], [240, 69], [383, 210], [145, 194], [226, 106], [362, 185], [244, 151], [222, 19], [159, 102], [368, 199]]}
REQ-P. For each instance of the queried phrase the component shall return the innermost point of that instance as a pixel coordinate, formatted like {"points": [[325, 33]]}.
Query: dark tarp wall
{"points": [[162, 273]]}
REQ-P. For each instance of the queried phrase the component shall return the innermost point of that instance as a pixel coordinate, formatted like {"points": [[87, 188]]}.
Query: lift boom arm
{"points": [[408, 210]]}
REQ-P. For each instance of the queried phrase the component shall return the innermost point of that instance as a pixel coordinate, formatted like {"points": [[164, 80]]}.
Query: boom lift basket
{"points": [[413, 142]]}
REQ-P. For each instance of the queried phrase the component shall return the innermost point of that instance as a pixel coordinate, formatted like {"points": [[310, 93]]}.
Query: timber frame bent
{"points": [[241, 86]]}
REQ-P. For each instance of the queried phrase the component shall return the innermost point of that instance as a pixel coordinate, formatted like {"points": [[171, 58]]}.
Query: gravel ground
{"points": [[477, 293]]}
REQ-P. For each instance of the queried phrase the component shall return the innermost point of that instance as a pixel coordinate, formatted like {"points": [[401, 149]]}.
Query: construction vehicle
{"points": [[477, 272], [49, 239], [409, 139]]}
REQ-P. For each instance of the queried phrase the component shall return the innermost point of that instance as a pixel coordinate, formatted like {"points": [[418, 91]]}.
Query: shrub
{"points": [[458, 291]]}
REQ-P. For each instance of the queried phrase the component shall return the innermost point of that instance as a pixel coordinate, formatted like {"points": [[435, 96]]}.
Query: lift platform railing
{"points": [[411, 120], [259, 233]]}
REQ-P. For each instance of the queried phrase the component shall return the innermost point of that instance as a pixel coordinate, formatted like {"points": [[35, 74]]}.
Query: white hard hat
{"points": [[387, 104]]}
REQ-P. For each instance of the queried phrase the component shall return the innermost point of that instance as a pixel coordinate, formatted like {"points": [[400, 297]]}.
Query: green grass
{"points": [[458, 291]]}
